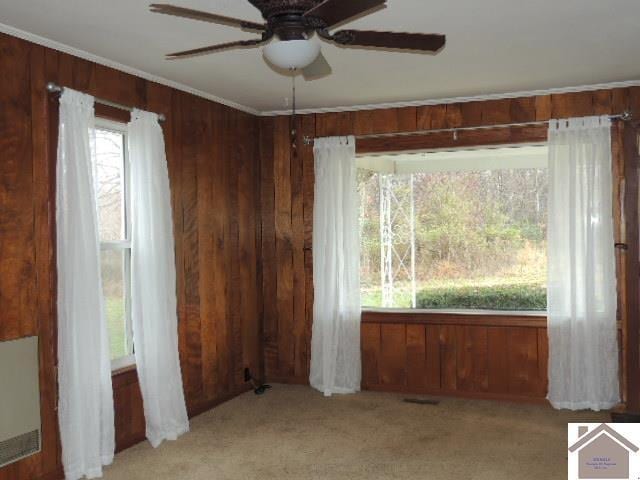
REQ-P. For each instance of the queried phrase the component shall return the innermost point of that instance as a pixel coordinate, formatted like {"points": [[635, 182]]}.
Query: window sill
{"points": [[123, 365], [453, 317], [418, 311], [123, 370]]}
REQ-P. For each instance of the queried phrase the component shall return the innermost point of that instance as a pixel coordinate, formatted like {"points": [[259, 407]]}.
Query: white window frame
{"points": [[123, 245]]}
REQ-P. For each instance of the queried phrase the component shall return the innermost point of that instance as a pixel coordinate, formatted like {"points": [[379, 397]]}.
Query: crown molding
{"points": [[444, 101], [46, 42]]}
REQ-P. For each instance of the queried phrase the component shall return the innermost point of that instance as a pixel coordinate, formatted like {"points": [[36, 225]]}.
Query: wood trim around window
{"points": [[489, 319]]}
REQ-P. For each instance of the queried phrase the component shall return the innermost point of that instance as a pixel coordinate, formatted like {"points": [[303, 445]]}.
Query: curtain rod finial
{"points": [[53, 88], [626, 116]]}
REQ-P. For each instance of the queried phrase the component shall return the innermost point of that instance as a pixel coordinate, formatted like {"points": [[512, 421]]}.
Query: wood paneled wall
{"points": [[214, 173], [479, 356], [287, 193]]}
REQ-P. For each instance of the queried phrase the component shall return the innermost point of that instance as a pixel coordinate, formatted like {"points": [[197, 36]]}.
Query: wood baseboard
{"points": [[203, 407], [622, 416], [55, 475], [288, 380]]}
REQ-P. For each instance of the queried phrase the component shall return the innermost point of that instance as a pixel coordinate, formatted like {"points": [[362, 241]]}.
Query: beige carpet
{"points": [[294, 433]]}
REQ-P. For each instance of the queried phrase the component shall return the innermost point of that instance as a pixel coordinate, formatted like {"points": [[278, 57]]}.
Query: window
{"points": [[461, 230], [112, 190]]}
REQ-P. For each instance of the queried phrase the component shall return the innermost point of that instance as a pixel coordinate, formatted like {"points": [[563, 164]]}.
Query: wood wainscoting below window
{"points": [[471, 355]]}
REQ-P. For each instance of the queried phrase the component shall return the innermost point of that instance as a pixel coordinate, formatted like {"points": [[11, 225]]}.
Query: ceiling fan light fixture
{"points": [[292, 54]]}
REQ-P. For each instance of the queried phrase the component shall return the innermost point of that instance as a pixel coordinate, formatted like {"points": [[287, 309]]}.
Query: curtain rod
{"points": [[625, 117], [53, 87]]}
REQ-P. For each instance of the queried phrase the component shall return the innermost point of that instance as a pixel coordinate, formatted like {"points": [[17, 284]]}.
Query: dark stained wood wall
{"points": [[481, 356], [286, 260], [212, 152]]}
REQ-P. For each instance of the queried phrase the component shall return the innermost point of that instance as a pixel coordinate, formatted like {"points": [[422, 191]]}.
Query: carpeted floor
{"points": [[294, 433]]}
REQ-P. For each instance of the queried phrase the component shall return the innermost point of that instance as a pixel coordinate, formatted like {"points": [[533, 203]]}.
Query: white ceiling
{"points": [[493, 47]]}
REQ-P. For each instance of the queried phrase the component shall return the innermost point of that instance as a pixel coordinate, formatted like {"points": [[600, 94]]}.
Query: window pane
{"points": [[110, 184], [113, 285], [461, 239]]}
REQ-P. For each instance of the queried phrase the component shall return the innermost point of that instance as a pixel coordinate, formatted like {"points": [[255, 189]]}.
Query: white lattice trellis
{"points": [[397, 241]]}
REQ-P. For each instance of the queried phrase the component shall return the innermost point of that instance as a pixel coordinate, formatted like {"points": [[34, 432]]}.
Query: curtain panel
{"points": [[583, 347], [335, 341], [85, 409], [153, 282]]}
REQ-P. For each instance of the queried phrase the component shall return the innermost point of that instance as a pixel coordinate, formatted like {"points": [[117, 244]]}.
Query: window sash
{"points": [[405, 164], [123, 245]]}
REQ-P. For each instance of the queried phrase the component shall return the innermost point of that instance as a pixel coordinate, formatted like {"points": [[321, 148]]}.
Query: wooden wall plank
{"points": [[393, 352], [43, 177], [391, 120], [602, 102], [579, 104], [499, 112], [631, 315], [233, 347], [453, 116], [298, 252], [268, 246], [215, 330], [191, 129], [522, 356], [335, 124], [431, 117], [498, 359], [307, 128], [471, 114], [448, 358], [119, 87], [416, 356], [248, 257], [371, 351], [543, 108], [284, 247], [522, 110], [206, 257], [620, 100], [17, 252], [433, 366], [472, 359], [634, 101], [543, 361]]}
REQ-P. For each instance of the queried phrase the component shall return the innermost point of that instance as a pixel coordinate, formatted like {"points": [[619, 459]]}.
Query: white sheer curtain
{"points": [[583, 348], [85, 409], [153, 282], [335, 343]]}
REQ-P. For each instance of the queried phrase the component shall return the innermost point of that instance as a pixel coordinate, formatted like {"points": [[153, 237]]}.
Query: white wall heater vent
{"points": [[19, 400]]}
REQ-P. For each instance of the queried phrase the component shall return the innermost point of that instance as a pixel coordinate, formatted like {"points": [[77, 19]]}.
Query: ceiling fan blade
{"points": [[256, 3], [214, 48], [204, 16], [337, 11], [318, 69], [421, 42]]}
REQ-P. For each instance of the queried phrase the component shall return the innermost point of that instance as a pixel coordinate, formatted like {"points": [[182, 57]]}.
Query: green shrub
{"points": [[494, 297]]}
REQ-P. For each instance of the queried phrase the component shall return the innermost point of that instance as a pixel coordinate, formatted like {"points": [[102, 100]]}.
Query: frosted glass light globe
{"points": [[292, 54]]}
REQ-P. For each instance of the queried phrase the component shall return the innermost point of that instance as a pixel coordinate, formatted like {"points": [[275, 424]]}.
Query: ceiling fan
{"points": [[294, 22]]}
